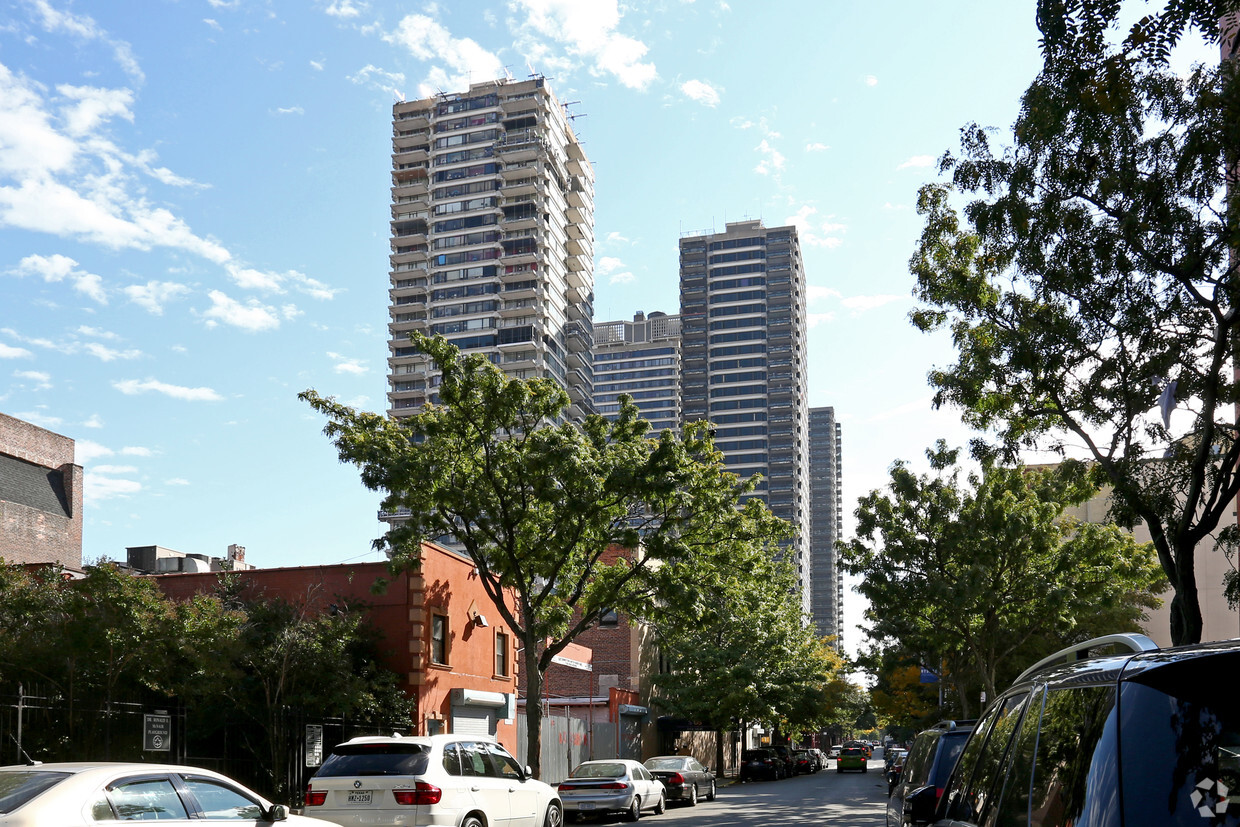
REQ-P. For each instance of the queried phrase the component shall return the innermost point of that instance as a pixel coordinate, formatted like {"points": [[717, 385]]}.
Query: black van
{"points": [[928, 765], [1148, 737]]}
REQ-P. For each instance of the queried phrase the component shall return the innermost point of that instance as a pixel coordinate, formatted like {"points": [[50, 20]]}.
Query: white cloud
{"points": [[344, 9], [587, 32], [344, 364], [816, 146], [133, 387], [271, 282], [252, 316], [96, 488], [93, 422], [815, 293], [870, 80], [153, 295], [291, 110], [458, 61], [773, 160], [176, 481], [84, 27], [224, 4], [74, 181], [42, 381], [317, 65], [816, 231], [812, 320], [617, 238], [43, 420], [85, 450], [97, 333], [213, 24], [137, 451], [612, 269], [107, 354], [918, 162], [701, 92], [114, 469], [56, 268], [10, 352]]}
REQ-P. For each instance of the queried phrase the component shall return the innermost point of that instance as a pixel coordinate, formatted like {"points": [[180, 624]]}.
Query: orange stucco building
{"points": [[440, 631]]}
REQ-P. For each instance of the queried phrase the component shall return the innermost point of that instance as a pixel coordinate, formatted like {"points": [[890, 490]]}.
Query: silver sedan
{"points": [[616, 785]]}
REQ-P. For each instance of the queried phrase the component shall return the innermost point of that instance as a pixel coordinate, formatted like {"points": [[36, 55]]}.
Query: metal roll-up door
{"points": [[473, 720]]}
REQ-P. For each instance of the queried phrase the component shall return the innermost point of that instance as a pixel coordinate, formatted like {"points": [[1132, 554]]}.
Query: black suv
{"points": [[1146, 738], [927, 767]]}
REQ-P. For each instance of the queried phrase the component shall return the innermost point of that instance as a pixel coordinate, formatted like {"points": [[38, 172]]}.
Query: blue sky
{"points": [[194, 216]]}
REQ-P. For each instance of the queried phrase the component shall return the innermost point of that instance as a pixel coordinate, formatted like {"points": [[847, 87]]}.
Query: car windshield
{"points": [[753, 755], [19, 786], [376, 759], [665, 764], [854, 751]]}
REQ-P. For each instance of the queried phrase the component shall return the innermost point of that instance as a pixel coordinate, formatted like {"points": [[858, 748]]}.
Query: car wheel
{"points": [[554, 817], [693, 795], [660, 806], [634, 812], [472, 821], [710, 796], [839, 769], [865, 767]]}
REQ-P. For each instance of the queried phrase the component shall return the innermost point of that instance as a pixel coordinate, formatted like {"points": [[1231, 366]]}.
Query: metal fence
{"points": [[567, 741]]}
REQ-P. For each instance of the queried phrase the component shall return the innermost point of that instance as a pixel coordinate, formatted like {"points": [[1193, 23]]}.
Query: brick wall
{"points": [[31, 535]]}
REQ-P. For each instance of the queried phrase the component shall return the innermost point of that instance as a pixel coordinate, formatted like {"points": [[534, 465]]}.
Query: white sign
{"points": [[314, 745], [572, 664]]}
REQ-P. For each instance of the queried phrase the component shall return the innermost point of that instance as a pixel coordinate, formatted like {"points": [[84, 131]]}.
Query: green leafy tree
{"points": [[747, 655], [541, 504], [1090, 274], [980, 575]]}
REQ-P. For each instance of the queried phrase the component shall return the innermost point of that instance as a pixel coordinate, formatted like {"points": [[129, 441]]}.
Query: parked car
{"points": [[614, 785], [893, 764], [684, 778], [761, 763], [463, 780], [785, 754], [929, 763], [852, 758], [819, 759], [69, 795], [834, 752], [1147, 737], [802, 763]]}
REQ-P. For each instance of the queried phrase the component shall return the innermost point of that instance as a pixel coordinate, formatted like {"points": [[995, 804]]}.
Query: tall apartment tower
{"points": [[640, 358], [826, 522], [492, 239], [742, 309]]}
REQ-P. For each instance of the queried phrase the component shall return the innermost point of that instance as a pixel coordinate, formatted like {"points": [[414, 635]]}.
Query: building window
{"points": [[439, 639], [501, 654]]}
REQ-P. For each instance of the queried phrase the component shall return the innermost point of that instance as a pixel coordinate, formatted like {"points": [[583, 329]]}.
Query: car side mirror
{"points": [[529, 772], [920, 805], [278, 812]]}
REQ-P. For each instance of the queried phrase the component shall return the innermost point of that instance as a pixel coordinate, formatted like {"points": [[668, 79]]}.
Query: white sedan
{"points": [[76, 795], [614, 785]]}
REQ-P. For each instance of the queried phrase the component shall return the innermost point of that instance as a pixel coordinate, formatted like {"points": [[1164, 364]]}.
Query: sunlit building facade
{"points": [[640, 358], [826, 522]]}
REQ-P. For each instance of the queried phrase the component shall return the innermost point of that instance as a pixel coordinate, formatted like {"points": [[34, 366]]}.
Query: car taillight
{"points": [[613, 785], [675, 778], [421, 793], [315, 798]]}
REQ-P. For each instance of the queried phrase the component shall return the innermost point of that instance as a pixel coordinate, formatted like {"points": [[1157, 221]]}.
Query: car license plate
{"points": [[359, 797], [585, 805]]}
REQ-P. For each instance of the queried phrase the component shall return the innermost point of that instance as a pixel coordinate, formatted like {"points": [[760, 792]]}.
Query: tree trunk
{"points": [[719, 765], [1186, 625], [533, 708]]}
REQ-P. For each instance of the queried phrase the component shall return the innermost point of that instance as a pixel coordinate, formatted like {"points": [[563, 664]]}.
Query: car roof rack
{"points": [[1134, 643]]}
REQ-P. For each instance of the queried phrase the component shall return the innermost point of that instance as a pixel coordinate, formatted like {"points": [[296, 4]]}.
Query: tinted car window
{"points": [[985, 781], [505, 766], [600, 771], [1075, 774], [917, 765], [1180, 735], [375, 759], [957, 805], [16, 788], [473, 759], [451, 761]]}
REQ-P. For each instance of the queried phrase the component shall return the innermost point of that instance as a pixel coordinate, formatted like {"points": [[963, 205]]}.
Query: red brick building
{"points": [[439, 626], [40, 496]]}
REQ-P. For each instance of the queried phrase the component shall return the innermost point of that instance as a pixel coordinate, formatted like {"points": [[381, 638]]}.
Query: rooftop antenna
{"points": [[399, 95]]}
